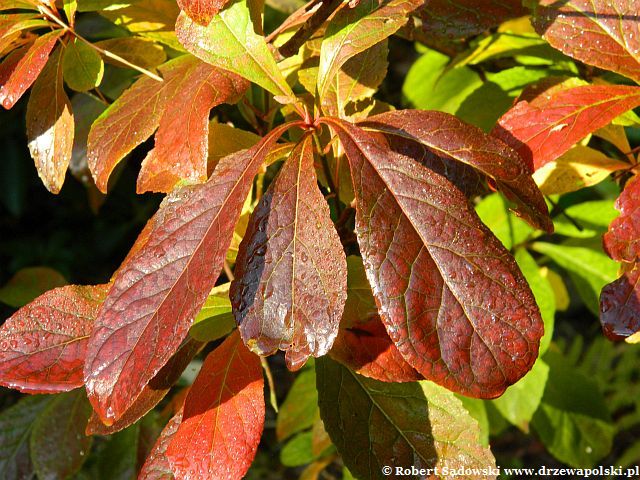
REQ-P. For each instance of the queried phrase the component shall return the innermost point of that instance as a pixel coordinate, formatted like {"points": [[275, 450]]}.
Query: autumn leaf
{"points": [[544, 128], [50, 124], [139, 51], [449, 137], [43, 345], [291, 272], [21, 68], [451, 297], [375, 424], [156, 466], [620, 305], [223, 416], [202, 11], [622, 240], [164, 282], [596, 32]]}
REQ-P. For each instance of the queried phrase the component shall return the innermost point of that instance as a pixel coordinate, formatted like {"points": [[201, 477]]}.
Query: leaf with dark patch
{"points": [[202, 11], [622, 240], [162, 285], [603, 33], [157, 467], [50, 124], [59, 446], [223, 416], [375, 424], [451, 297], [181, 143], [43, 345], [449, 137], [20, 69], [544, 128], [291, 273], [620, 305]]}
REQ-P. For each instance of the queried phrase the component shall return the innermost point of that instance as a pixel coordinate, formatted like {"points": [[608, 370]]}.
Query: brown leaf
{"points": [[202, 11], [622, 241], [50, 124], [164, 283], [451, 297], [291, 272]]}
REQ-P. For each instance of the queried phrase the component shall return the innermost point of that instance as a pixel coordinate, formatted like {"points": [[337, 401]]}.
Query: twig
{"points": [[272, 388]]}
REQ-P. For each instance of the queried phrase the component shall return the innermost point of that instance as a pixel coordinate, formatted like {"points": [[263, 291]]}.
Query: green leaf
{"points": [[478, 410], [428, 87], [573, 420], [494, 212], [375, 424], [118, 459], [215, 319], [543, 293], [521, 400], [297, 451], [299, 410], [29, 283], [593, 217], [229, 42], [70, 7], [588, 266], [82, 66], [360, 305]]}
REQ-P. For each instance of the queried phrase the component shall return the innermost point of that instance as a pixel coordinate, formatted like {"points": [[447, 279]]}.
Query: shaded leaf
{"points": [[299, 409], [360, 305], [50, 125], [43, 345], [224, 410], [291, 283], [375, 424], [451, 297], [58, 444], [544, 128], [28, 283], [225, 139], [118, 459], [20, 69], [355, 30], [447, 136], [620, 305], [82, 66], [229, 42], [140, 51], [173, 266], [215, 319], [622, 240], [157, 467], [603, 33], [16, 424]]}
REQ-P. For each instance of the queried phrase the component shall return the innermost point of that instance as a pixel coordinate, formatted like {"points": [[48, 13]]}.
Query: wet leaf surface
{"points": [[622, 240]]}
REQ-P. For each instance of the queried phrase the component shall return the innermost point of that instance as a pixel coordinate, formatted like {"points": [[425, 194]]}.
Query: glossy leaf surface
{"points": [[157, 467], [164, 282], [447, 136], [50, 125], [375, 424], [291, 273], [603, 33], [451, 297], [43, 345], [622, 240], [620, 306], [223, 416], [544, 128]]}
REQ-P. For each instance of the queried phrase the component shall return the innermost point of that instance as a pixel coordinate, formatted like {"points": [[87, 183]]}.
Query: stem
{"points": [[565, 215], [272, 388], [227, 271]]}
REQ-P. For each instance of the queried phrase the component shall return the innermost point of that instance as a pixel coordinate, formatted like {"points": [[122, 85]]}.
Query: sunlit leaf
{"points": [[299, 409], [493, 210], [82, 66], [215, 319], [202, 11], [139, 51], [157, 467], [622, 241]]}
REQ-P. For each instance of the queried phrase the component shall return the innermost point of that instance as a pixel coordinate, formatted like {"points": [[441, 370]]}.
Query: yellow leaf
{"points": [[559, 289]]}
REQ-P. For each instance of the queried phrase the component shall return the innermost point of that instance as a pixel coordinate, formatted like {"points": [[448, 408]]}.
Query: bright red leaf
{"points": [[43, 345], [157, 292], [291, 271], [603, 33], [21, 68], [545, 128], [451, 297], [620, 306], [622, 241], [449, 137], [223, 416], [202, 11]]}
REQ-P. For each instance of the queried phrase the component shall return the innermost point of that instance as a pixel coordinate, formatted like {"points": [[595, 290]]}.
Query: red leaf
{"points": [[50, 125], [622, 241], [20, 69], [451, 297], [202, 11], [367, 349], [223, 416], [43, 345], [603, 33], [181, 143], [291, 271], [449, 137], [549, 125], [620, 306], [157, 467], [188, 89], [153, 392], [162, 286]]}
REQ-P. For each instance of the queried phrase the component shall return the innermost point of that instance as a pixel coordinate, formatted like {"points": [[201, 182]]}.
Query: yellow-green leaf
{"points": [[82, 66]]}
